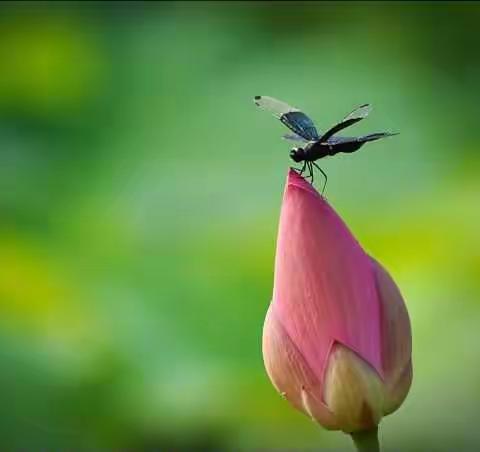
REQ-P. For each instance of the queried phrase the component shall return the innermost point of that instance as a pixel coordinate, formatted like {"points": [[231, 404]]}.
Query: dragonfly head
{"points": [[297, 154]]}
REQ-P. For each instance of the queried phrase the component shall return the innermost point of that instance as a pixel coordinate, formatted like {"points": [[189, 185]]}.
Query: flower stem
{"points": [[367, 440]]}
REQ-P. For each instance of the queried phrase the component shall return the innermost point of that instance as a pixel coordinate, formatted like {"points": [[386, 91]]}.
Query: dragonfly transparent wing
{"points": [[292, 117], [338, 140], [294, 137], [274, 106], [359, 113], [356, 115]]}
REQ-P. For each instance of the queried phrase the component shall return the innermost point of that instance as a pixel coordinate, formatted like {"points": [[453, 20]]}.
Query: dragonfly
{"points": [[314, 144]]}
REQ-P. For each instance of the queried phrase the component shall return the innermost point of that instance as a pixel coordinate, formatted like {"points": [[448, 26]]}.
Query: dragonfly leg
{"points": [[298, 170], [307, 168], [324, 175], [310, 169], [303, 167]]}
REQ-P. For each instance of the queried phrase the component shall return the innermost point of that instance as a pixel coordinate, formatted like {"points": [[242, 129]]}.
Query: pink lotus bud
{"points": [[337, 338]]}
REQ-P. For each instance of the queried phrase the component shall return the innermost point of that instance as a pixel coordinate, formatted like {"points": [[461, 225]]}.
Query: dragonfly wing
{"points": [[292, 117], [301, 124], [294, 137], [351, 144], [338, 140], [274, 106], [359, 113], [362, 139], [356, 115], [376, 136]]}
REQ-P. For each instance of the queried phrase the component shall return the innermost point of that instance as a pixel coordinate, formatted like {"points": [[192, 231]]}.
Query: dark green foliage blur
{"points": [[140, 190]]}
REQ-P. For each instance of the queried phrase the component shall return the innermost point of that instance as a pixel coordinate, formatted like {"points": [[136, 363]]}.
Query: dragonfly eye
{"points": [[296, 154]]}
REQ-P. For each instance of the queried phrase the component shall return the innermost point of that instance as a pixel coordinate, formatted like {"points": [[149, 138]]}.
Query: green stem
{"points": [[367, 440]]}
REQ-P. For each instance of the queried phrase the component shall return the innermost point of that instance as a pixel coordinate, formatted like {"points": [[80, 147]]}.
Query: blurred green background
{"points": [[140, 191]]}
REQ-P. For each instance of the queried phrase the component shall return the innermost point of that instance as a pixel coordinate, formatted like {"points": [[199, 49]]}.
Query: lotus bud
{"points": [[336, 338]]}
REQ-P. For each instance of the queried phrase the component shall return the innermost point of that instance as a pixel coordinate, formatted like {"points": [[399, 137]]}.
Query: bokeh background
{"points": [[140, 191]]}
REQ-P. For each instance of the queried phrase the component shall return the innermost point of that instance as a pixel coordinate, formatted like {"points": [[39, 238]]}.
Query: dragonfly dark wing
{"points": [[292, 117], [362, 139], [351, 144], [376, 136], [301, 124], [356, 115]]}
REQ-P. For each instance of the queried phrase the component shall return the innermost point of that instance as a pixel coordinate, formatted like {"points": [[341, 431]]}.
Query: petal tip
{"points": [[296, 180]]}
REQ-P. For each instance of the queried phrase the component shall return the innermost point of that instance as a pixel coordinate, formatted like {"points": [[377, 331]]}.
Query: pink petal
{"points": [[291, 375], [396, 340], [353, 391], [324, 287]]}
